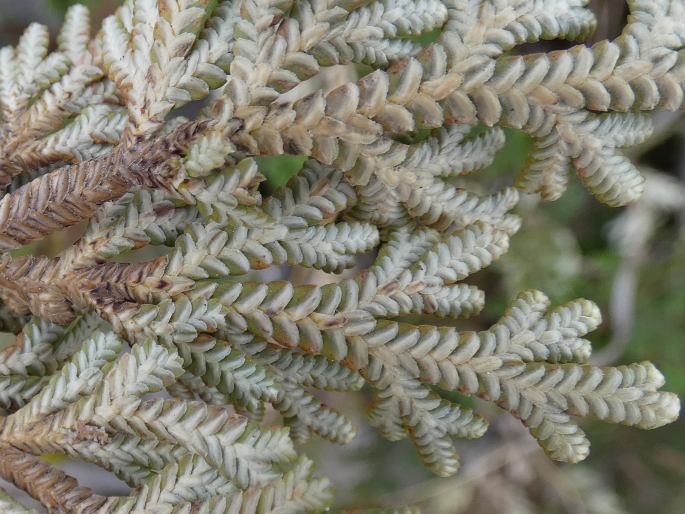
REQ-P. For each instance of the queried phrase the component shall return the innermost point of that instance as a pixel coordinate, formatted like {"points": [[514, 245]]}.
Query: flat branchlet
{"points": [[90, 133]]}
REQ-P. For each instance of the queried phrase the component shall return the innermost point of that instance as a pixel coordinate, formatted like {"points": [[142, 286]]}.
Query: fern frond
{"points": [[161, 343]]}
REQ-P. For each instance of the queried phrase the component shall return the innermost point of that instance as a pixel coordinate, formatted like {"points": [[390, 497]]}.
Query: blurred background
{"points": [[630, 261]]}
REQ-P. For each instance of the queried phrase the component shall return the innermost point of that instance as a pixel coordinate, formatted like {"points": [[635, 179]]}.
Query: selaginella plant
{"points": [[91, 131]]}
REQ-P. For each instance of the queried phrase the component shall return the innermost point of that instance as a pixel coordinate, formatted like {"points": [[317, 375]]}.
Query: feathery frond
{"points": [[163, 369]]}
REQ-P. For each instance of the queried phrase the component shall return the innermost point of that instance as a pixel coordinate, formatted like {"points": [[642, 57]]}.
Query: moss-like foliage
{"points": [[91, 132]]}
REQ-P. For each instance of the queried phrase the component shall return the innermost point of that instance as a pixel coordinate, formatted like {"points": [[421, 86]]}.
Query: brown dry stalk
{"points": [[42, 286], [53, 488], [71, 194]]}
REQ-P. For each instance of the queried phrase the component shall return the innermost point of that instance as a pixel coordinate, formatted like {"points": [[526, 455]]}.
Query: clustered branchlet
{"points": [[90, 132]]}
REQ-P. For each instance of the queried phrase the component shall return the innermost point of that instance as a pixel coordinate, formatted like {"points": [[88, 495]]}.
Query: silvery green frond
{"points": [[512, 23], [450, 153], [132, 222], [164, 55], [38, 352], [56, 107], [305, 369], [33, 351], [77, 378], [405, 408], [305, 414], [130, 458], [171, 344], [236, 375], [112, 420], [388, 510], [296, 491], [17, 390]]}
